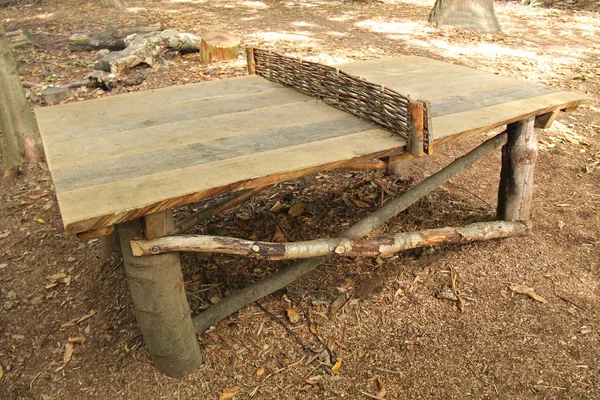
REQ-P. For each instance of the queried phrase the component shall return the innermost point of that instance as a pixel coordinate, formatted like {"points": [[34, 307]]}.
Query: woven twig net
{"points": [[369, 101]]}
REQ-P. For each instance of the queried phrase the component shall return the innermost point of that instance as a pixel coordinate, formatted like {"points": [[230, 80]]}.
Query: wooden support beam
{"points": [[329, 247], [366, 165], [285, 276], [516, 178], [159, 300], [416, 113], [95, 233], [545, 121], [250, 61]]}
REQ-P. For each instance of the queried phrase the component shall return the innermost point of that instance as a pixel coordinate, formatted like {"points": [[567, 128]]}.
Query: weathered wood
{"points": [[78, 139], [416, 133], [159, 301], [218, 46], [545, 121], [111, 39], [251, 63], [284, 277], [217, 208], [20, 137], [96, 233], [329, 247], [366, 165], [516, 177], [399, 165]]}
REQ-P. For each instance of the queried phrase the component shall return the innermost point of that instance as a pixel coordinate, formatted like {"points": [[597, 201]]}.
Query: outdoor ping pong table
{"points": [[125, 161]]}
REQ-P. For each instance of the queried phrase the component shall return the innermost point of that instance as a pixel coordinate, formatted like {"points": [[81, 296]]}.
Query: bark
{"points": [[516, 178], [322, 247], [475, 15], [291, 273], [20, 137], [159, 301]]}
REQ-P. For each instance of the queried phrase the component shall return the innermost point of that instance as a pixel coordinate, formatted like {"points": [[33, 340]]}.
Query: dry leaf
{"points": [[313, 329], [528, 291], [277, 206], [292, 315], [278, 236], [56, 277], [337, 304], [382, 392], [586, 329], [4, 235], [260, 371], [39, 220], [69, 348], [77, 339], [336, 368], [361, 204], [1, 372], [551, 277], [297, 209], [36, 196], [229, 393]]}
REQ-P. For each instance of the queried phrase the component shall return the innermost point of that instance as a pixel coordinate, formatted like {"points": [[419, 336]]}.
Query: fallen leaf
{"points": [[551, 277], [56, 277], [382, 392], [1, 372], [361, 204], [37, 196], [39, 220], [229, 393], [278, 236], [337, 304], [336, 368], [260, 371], [277, 206], [297, 209], [561, 224], [528, 291], [313, 329], [586, 329], [77, 339], [292, 315], [69, 349], [4, 235]]}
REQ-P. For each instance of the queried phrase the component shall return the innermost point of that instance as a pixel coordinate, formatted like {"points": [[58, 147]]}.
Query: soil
{"points": [[395, 328]]}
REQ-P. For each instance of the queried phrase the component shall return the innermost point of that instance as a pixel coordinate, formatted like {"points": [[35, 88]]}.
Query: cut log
{"points": [[285, 276], [218, 46], [516, 177], [20, 39], [399, 165], [159, 300], [328, 247], [20, 137]]}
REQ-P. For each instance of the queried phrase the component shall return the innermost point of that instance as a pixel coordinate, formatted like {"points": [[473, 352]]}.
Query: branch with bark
{"points": [[327, 247]]}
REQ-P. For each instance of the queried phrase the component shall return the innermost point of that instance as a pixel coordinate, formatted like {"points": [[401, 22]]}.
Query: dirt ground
{"points": [[395, 330]]}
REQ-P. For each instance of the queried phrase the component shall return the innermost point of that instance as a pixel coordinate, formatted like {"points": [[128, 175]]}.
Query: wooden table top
{"points": [[119, 158]]}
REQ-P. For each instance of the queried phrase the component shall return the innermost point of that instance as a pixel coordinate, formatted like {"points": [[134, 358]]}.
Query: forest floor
{"points": [[395, 329]]}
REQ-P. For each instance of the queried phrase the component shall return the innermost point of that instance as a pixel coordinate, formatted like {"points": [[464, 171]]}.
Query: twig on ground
{"points": [[287, 328]]}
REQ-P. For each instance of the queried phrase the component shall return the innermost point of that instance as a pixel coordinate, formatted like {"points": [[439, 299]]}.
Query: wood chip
{"points": [[229, 393], [292, 315], [278, 236], [336, 368], [297, 209], [69, 349], [337, 304]]}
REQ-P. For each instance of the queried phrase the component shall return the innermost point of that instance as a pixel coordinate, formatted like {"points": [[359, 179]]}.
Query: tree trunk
{"points": [[475, 15], [20, 137], [159, 300]]}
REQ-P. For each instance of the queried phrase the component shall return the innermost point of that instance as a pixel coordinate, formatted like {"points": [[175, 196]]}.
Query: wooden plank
{"points": [[166, 96], [489, 97], [109, 203], [205, 152], [464, 124], [64, 127], [82, 150]]}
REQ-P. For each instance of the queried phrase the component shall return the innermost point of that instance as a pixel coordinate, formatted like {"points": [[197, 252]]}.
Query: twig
{"points": [[471, 193], [570, 302], [287, 328], [372, 396], [316, 335]]}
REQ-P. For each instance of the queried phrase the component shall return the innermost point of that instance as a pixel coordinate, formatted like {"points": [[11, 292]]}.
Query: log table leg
{"points": [[159, 300], [399, 165], [516, 178]]}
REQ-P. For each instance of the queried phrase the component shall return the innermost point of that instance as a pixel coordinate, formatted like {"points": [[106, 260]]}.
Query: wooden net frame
{"points": [[384, 107]]}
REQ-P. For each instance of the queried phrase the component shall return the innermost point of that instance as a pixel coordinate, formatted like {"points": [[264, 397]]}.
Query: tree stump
{"points": [[218, 46], [516, 178], [159, 300]]}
